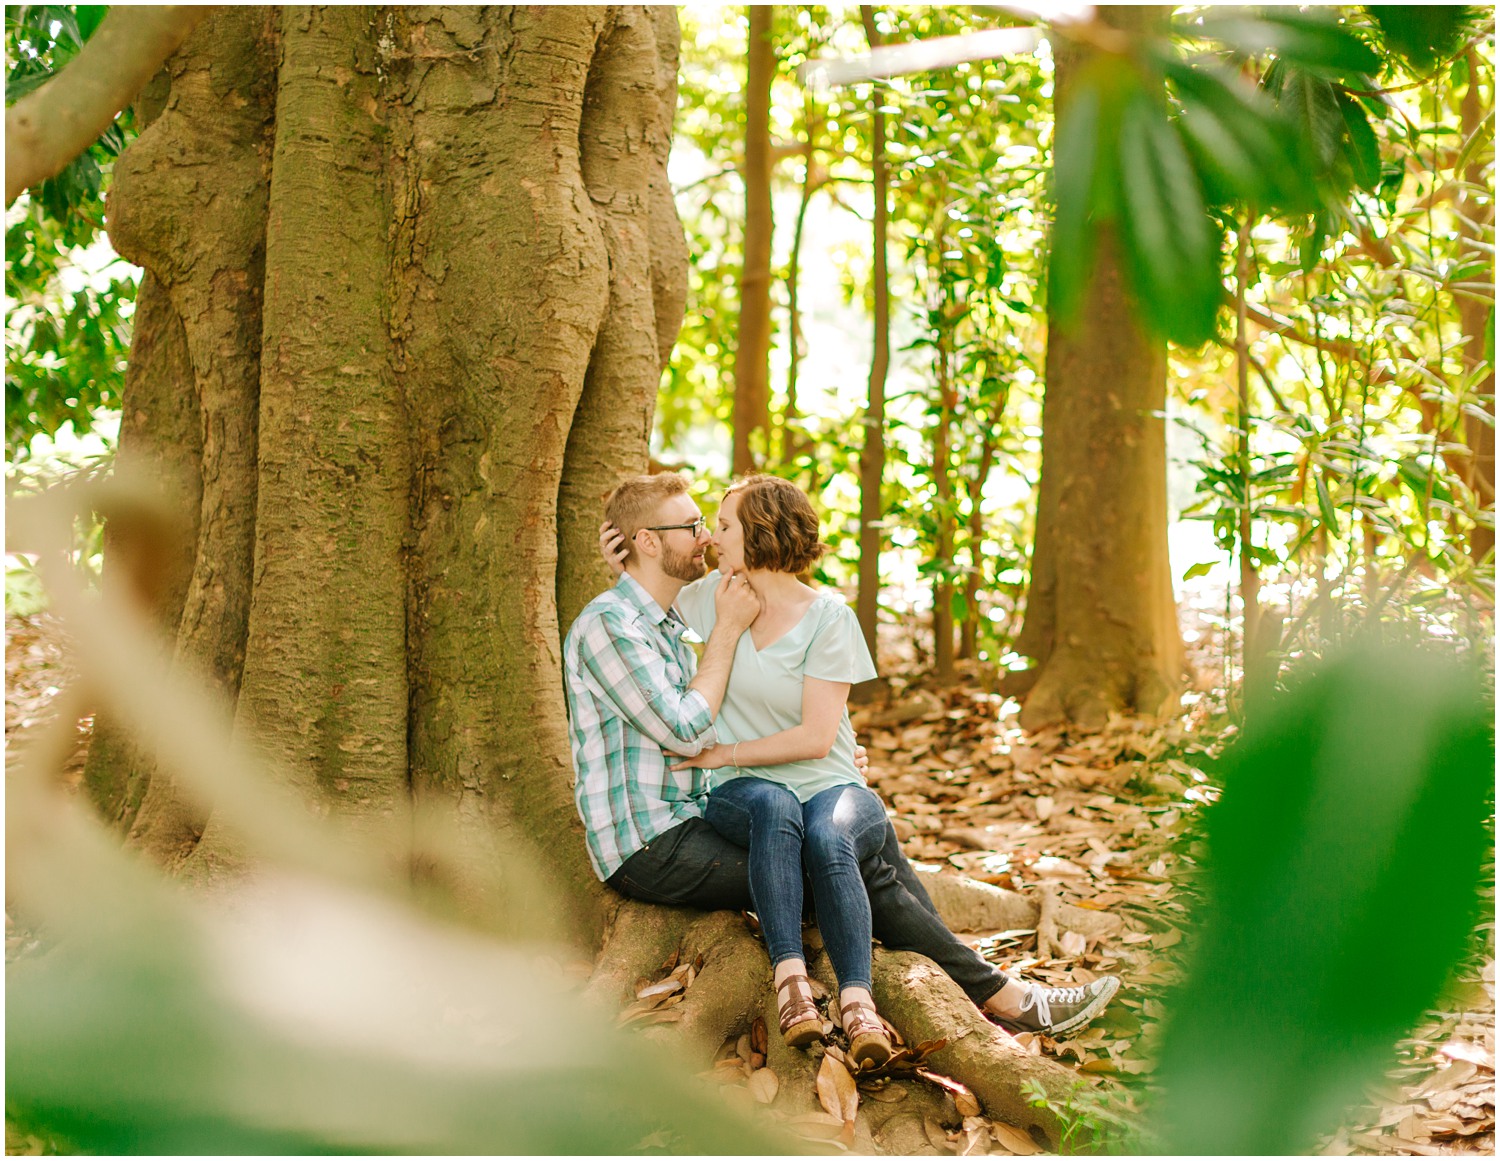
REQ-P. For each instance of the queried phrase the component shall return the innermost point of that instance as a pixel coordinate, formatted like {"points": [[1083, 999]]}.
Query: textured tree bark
{"points": [[1100, 618], [472, 271], [624, 141], [159, 449], [324, 683], [753, 341], [189, 204]]}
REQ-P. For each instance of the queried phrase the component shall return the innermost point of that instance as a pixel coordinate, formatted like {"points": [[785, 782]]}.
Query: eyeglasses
{"points": [[697, 527]]}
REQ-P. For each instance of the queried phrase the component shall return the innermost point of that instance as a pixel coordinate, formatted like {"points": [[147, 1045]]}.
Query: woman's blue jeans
{"points": [[830, 835]]}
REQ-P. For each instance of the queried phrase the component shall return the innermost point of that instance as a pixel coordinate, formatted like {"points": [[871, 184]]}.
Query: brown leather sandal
{"points": [[800, 1022], [868, 1042]]}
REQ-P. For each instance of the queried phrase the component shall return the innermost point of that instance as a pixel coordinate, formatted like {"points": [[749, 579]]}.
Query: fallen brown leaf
{"points": [[1473, 1053], [837, 1091], [937, 1135], [665, 988], [1014, 1140], [764, 1085]]}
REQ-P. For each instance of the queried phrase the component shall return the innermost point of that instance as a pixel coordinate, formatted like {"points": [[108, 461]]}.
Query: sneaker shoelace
{"points": [[1040, 1000]]}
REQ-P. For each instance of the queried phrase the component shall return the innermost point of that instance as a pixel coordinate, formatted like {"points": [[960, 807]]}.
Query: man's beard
{"points": [[681, 565]]}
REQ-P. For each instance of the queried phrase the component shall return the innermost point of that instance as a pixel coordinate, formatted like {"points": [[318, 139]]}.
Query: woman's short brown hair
{"points": [[779, 524]]}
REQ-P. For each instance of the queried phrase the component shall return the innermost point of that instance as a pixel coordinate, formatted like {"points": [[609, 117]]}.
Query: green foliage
{"points": [[1423, 34], [967, 162], [1127, 158], [1328, 832], [66, 462], [66, 340], [66, 336], [1266, 117], [1094, 1120], [1314, 39]]}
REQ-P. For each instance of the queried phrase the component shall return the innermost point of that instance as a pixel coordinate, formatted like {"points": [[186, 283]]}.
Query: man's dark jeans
{"points": [[692, 865]]}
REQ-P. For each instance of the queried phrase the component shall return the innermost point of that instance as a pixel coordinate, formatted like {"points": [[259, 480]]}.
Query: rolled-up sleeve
{"points": [[631, 675]]}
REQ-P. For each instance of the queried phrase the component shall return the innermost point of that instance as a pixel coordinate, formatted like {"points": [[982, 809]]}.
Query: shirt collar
{"points": [[635, 592]]}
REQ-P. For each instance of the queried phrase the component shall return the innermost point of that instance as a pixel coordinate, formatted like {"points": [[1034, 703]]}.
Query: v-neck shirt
{"points": [[764, 695]]}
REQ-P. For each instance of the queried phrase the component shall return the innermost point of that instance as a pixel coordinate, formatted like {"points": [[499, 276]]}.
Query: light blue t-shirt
{"points": [[764, 695]]}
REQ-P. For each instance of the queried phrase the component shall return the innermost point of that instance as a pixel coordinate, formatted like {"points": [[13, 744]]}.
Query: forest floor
{"points": [[1107, 822]]}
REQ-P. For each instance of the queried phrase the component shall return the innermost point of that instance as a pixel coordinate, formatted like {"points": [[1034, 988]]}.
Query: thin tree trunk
{"points": [[872, 455], [942, 477], [969, 642], [752, 352], [792, 441], [1477, 320], [1249, 577]]}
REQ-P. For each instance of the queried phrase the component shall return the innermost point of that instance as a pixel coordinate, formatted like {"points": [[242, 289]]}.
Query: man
{"points": [[636, 696]]}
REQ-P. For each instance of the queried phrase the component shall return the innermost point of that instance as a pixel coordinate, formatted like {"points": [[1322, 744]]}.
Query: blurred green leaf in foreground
{"points": [[1344, 862]]}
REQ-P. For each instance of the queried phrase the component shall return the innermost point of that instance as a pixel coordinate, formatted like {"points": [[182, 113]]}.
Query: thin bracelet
{"points": [[734, 756]]}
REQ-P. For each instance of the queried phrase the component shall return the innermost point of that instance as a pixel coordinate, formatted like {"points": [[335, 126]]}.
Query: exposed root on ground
{"points": [[1047, 942], [702, 980], [968, 905]]}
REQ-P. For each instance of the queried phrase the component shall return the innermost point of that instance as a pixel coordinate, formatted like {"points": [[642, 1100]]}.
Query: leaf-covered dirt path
{"points": [[1109, 822], [1105, 822]]}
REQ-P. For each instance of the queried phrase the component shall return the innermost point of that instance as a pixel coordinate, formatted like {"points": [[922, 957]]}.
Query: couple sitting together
{"points": [[731, 782]]}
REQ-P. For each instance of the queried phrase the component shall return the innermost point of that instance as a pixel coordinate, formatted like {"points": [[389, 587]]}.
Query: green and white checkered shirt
{"points": [[626, 668]]}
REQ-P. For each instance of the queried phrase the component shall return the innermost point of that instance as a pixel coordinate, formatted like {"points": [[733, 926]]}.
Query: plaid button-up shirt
{"points": [[626, 668]]}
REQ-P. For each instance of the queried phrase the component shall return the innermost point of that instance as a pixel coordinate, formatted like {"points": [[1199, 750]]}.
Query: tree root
{"points": [[728, 992], [730, 985], [1048, 944], [919, 999], [638, 939], [967, 905]]}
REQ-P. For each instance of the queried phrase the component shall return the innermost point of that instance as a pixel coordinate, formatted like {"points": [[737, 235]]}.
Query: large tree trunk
{"points": [[412, 275], [421, 268], [1100, 618]]}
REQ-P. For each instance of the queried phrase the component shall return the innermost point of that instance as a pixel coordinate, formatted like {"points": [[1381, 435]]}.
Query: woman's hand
{"points": [[861, 760], [612, 547], [710, 759]]}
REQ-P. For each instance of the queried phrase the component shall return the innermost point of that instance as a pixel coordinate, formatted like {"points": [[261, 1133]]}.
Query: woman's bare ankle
{"points": [[855, 995]]}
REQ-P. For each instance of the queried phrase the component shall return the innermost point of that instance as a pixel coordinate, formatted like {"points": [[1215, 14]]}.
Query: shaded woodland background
{"points": [[1142, 368]]}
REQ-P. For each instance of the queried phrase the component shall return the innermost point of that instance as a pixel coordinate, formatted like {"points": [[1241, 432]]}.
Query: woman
{"points": [[786, 786]]}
